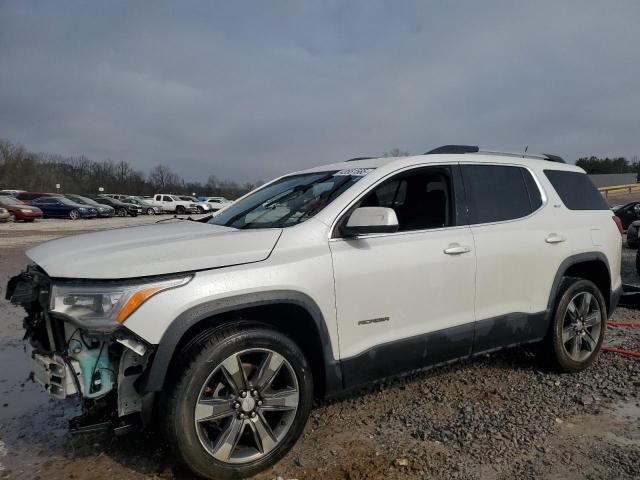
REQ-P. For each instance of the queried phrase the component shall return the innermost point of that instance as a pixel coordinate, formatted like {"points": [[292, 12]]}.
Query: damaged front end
{"points": [[78, 346]]}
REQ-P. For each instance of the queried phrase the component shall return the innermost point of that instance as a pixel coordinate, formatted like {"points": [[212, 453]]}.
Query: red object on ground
{"points": [[624, 324], [621, 351]]}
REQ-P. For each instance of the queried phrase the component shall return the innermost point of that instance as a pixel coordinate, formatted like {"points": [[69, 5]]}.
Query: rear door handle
{"points": [[554, 238], [456, 249]]}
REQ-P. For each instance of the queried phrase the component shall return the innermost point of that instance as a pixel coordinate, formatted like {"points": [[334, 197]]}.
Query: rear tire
{"points": [[180, 210], [12, 217], [121, 212], [264, 405], [577, 327]]}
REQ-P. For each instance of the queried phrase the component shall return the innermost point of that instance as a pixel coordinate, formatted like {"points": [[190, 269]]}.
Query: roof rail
{"points": [[553, 158], [459, 149], [454, 149], [355, 159]]}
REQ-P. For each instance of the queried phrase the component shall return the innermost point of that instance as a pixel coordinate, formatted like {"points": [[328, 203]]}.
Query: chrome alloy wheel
{"points": [[246, 406], [582, 326]]}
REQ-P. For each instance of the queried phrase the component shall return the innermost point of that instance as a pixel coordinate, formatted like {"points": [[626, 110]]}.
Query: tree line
{"points": [[594, 165], [40, 172]]}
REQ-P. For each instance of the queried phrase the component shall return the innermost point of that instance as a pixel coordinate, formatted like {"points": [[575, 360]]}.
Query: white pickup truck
{"points": [[173, 204]]}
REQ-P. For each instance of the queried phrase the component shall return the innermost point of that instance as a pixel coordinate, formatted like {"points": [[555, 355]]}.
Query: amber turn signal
{"points": [[135, 301]]}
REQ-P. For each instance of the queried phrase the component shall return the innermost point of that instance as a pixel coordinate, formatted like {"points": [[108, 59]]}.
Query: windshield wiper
{"points": [[188, 219]]}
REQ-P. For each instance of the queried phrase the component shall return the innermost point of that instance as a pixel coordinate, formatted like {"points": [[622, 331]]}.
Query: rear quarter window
{"points": [[576, 190], [497, 193]]}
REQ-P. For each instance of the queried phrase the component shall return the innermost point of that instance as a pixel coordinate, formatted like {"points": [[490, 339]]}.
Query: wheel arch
{"points": [[592, 266], [294, 313]]}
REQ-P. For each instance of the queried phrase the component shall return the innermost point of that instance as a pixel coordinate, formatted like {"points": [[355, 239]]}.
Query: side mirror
{"points": [[365, 220]]}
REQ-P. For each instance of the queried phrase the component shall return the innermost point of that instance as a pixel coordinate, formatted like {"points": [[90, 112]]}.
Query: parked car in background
{"points": [[28, 197], [217, 202], [628, 213], [117, 196], [4, 215], [104, 211], [203, 207], [173, 204], [147, 208], [10, 192], [632, 234], [62, 207], [19, 210], [122, 209]]}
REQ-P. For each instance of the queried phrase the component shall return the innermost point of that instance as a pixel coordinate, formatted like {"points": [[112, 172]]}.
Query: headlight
{"points": [[105, 306], [24, 210]]}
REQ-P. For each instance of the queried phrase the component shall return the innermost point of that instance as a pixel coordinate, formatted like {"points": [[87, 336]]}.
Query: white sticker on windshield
{"points": [[354, 172]]}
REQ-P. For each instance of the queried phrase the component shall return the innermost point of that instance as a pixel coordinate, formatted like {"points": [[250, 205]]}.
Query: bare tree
{"points": [[162, 177]]}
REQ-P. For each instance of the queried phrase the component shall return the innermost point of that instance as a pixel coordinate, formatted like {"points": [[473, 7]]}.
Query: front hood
{"points": [[173, 247], [27, 207]]}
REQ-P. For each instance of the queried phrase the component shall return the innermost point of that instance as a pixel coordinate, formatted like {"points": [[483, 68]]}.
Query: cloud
{"points": [[250, 90]]}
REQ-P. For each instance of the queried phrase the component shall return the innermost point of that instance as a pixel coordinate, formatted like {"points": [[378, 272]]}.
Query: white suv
{"points": [[316, 283]]}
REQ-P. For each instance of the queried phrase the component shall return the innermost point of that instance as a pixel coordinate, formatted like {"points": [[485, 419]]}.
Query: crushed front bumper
{"points": [[103, 369]]}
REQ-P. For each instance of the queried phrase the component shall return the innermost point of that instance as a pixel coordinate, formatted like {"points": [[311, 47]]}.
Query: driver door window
{"points": [[421, 199]]}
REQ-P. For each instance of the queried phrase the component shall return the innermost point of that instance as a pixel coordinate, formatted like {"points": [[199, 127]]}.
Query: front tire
{"points": [[578, 326], [180, 210], [151, 211], [74, 214], [239, 401]]}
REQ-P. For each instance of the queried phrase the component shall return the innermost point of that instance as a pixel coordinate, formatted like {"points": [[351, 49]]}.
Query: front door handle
{"points": [[554, 238], [456, 249]]}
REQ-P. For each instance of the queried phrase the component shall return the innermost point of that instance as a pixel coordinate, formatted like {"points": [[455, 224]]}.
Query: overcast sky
{"points": [[250, 90]]}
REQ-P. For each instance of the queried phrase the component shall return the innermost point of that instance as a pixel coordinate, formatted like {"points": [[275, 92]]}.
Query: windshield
{"points": [[288, 201], [7, 200]]}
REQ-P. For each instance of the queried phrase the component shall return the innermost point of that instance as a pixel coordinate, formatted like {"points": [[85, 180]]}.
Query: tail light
{"points": [[618, 223]]}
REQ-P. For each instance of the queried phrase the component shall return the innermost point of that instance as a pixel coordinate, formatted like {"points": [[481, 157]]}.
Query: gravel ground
{"points": [[500, 416]]}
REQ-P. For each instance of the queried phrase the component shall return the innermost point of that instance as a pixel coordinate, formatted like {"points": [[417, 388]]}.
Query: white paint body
{"points": [[406, 276]]}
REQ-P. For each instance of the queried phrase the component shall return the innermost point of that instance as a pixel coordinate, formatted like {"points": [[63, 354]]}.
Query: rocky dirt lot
{"points": [[501, 416]]}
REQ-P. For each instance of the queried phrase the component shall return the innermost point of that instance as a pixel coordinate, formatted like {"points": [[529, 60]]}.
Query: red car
{"points": [[19, 210]]}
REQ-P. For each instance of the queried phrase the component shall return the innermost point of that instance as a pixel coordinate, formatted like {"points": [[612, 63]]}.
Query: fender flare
{"points": [[568, 263], [154, 380]]}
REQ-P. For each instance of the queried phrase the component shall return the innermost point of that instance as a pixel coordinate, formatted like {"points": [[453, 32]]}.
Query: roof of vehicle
{"points": [[547, 160]]}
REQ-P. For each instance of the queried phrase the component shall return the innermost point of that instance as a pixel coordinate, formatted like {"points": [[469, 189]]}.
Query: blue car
{"points": [[60, 207]]}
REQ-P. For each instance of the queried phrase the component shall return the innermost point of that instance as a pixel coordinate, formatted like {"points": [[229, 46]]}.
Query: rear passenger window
{"points": [[499, 192], [576, 190]]}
